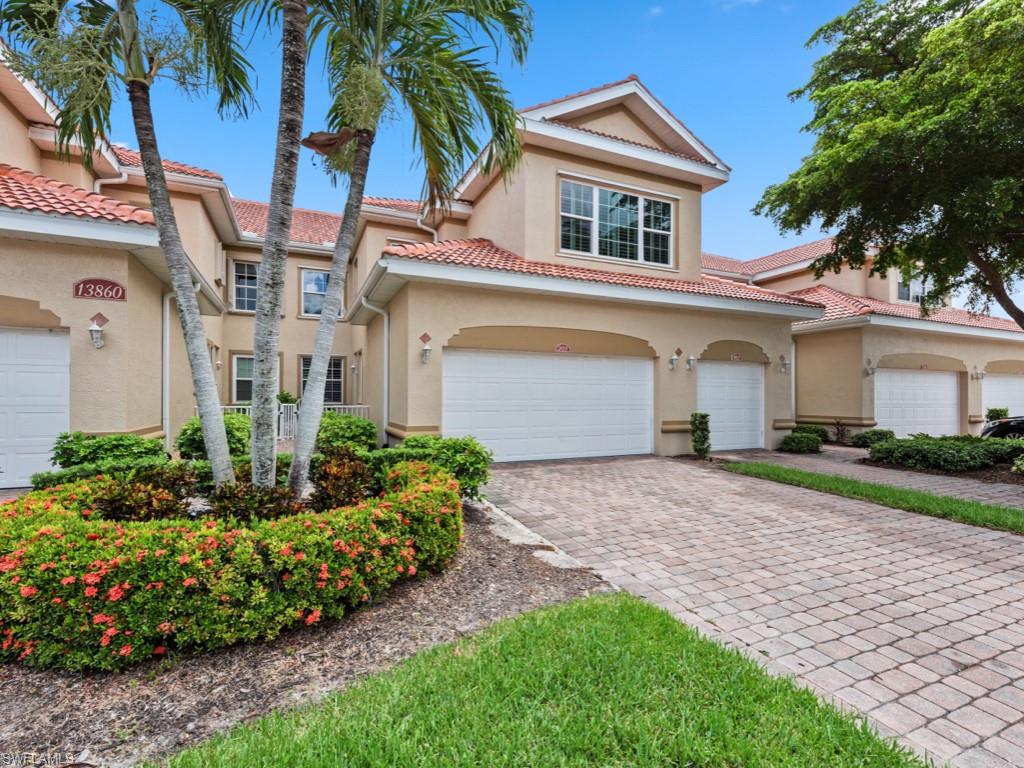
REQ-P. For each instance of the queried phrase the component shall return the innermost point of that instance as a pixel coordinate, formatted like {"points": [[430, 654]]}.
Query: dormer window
{"points": [[610, 223], [913, 290]]}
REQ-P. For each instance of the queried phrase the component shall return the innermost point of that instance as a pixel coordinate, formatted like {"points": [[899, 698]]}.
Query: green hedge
{"points": [[812, 429], [869, 437], [700, 434], [190, 439], [115, 467], [464, 457], [800, 442], [83, 593], [75, 448], [343, 430], [948, 454]]}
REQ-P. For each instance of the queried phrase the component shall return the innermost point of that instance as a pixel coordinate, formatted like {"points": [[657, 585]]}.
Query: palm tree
{"points": [[419, 55], [81, 51], [271, 274]]}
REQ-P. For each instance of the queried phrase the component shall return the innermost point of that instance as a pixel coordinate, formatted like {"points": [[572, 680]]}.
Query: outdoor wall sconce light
{"points": [[673, 362], [977, 375], [691, 363], [784, 364], [870, 370], [96, 335], [426, 352]]}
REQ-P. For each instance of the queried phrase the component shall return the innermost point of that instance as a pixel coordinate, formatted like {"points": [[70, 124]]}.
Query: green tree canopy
{"points": [[918, 162]]}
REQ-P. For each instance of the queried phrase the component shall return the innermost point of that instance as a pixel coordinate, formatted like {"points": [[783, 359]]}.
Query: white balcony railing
{"points": [[288, 415]]}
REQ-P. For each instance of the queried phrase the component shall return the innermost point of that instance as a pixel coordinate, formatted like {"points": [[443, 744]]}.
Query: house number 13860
{"points": [[99, 288]]}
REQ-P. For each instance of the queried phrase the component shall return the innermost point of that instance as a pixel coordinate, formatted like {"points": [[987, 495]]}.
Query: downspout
{"points": [[421, 225], [97, 186], [385, 408], [792, 377], [165, 370]]}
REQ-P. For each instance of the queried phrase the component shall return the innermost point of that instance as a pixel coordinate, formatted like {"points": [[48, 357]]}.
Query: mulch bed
{"points": [[998, 474], [156, 708]]}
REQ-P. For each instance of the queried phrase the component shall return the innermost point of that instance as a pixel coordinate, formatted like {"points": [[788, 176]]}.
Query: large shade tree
{"points": [[82, 52], [918, 163], [423, 57]]}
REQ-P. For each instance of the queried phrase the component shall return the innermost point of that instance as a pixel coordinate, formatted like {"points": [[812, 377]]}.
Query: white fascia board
{"points": [[909, 324], [717, 174], [630, 87], [311, 249], [381, 213], [45, 137], [29, 225], [797, 266], [414, 270]]}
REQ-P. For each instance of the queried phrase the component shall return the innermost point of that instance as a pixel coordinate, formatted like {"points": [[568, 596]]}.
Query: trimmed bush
{"points": [[800, 442], [82, 593], [812, 429], [246, 502], [869, 437], [114, 467], [339, 480], [1018, 466], [700, 434], [130, 500], [343, 430], [947, 454], [190, 439], [464, 457], [994, 414], [73, 449]]}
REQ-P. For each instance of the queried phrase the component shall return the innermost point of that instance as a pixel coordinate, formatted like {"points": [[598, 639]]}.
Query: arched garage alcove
{"points": [[25, 313], [730, 389], [525, 338]]}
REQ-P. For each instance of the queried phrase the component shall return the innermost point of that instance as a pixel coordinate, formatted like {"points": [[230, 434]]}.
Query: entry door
{"points": [[732, 394], [908, 402], [33, 401], [535, 406], [1003, 390]]}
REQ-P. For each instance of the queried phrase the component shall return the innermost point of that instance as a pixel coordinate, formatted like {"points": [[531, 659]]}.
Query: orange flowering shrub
{"points": [[79, 592]]}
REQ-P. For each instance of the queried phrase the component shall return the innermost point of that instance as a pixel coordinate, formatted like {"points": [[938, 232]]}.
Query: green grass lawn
{"points": [[949, 507], [606, 681]]}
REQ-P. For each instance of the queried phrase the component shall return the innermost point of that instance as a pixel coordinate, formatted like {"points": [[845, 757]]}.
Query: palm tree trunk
{"points": [[313, 397], [271, 276], [203, 382]]}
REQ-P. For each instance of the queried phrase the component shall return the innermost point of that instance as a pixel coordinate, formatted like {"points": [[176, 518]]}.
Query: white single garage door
{"points": [[33, 401], [732, 394], [908, 402], [1003, 390], [534, 406]]}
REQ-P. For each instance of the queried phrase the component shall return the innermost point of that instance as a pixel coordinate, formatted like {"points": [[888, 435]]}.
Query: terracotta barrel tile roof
{"points": [[839, 305], [483, 254], [587, 92], [789, 256], [26, 191], [398, 204], [311, 227], [133, 159], [720, 263]]}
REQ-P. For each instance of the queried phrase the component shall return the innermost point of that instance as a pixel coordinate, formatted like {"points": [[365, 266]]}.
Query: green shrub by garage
{"points": [[800, 442], [343, 430], [812, 429], [76, 448], [947, 454], [869, 437], [465, 458], [190, 445], [79, 592]]}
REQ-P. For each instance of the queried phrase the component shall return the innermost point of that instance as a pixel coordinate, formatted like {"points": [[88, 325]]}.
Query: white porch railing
{"points": [[288, 415]]}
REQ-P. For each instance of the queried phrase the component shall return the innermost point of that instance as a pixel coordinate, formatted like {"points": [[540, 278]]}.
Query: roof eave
{"points": [[908, 324]]}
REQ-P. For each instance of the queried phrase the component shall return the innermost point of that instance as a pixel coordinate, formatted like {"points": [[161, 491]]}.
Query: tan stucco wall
{"points": [[523, 215], [74, 173], [619, 121], [453, 315], [18, 149], [830, 377]]}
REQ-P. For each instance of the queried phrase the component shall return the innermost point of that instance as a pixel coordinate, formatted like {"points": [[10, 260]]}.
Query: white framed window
{"points": [[913, 290], [314, 288], [600, 221], [334, 390], [241, 378], [243, 285]]}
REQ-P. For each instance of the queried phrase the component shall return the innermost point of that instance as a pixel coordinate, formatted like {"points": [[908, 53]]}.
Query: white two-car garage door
{"points": [[548, 406], [908, 401], [732, 394], [1003, 390], [33, 401]]}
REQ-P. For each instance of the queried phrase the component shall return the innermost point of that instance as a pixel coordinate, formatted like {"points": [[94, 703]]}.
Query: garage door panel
{"points": [[1003, 391], [909, 402], [535, 406], [732, 394]]}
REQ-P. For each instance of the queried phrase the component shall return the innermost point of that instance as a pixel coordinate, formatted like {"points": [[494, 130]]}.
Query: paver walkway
{"points": [[915, 621], [844, 461]]}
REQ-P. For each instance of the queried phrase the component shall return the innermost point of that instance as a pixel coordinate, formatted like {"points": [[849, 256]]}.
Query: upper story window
{"points": [[244, 285], [914, 290], [314, 288], [614, 224]]}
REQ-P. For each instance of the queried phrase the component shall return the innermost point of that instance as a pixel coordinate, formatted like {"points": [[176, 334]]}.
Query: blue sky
{"points": [[723, 66]]}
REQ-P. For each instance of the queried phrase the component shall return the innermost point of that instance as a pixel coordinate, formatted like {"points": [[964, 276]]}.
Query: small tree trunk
{"points": [[271, 276], [997, 286], [313, 397], [203, 382]]}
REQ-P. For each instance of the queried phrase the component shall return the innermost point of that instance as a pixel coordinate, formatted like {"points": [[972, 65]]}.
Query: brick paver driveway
{"points": [[915, 621]]}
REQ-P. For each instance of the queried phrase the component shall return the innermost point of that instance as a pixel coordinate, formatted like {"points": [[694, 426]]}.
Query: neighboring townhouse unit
{"points": [[876, 359]]}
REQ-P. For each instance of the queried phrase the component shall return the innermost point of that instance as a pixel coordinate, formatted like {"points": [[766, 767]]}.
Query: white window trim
{"points": [[234, 375], [302, 292], [922, 285], [596, 185], [232, 295], [302, 379]]}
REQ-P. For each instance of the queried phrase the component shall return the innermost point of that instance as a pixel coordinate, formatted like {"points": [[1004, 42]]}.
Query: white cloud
{"points": [[656, 10]]}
